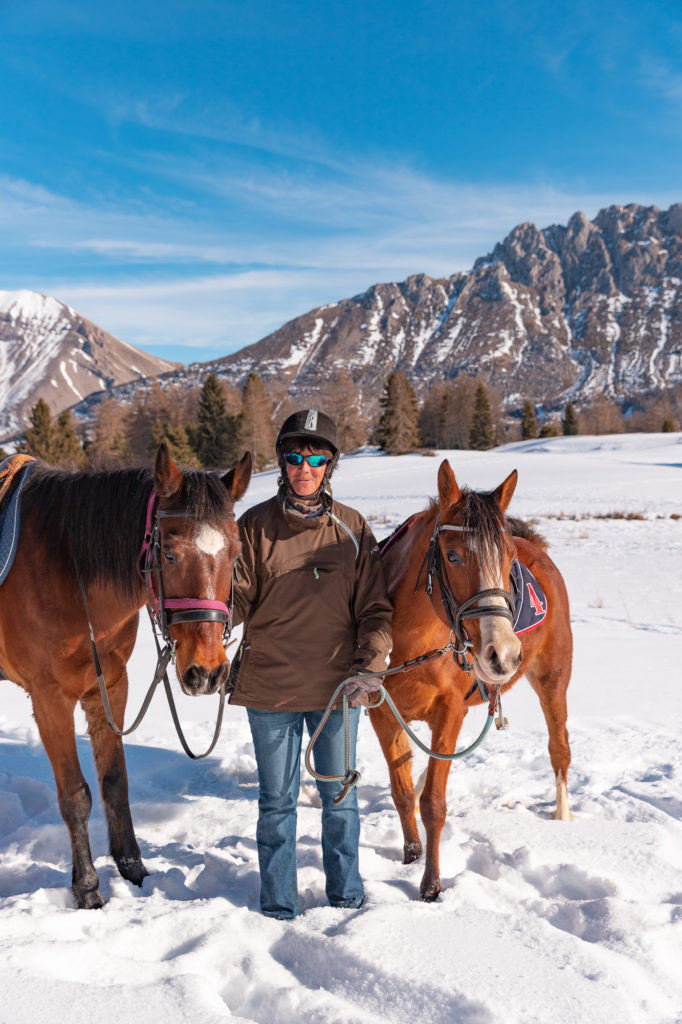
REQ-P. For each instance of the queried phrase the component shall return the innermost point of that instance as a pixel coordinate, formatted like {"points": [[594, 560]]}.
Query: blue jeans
{"points": [[277, 740]]}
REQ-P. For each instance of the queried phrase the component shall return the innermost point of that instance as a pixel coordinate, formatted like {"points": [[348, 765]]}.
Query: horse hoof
{"points": [[133, 870], [411, 852], [431, 893], [90, 900]]}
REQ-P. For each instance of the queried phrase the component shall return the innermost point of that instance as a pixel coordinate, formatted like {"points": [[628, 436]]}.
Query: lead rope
{"points": [[351, 776]]}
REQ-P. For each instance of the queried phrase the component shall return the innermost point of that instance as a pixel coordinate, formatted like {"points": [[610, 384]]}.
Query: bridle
{"points": [[164, 612], [168, 611], [456, 614]]}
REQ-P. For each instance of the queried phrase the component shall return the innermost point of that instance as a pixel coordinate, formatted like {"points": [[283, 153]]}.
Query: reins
{"points": [[163, 613]]}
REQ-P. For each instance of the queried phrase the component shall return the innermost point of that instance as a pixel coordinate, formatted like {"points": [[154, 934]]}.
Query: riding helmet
{"points": [[309, 424]]}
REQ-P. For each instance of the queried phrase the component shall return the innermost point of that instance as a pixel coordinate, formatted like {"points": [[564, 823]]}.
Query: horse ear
{"points": [[448, 489], [237, 479], [504, 492], [167, 476]]}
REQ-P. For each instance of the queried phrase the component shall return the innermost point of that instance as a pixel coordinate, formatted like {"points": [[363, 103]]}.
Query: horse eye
{"points": [[453, 556], [168, 555]]}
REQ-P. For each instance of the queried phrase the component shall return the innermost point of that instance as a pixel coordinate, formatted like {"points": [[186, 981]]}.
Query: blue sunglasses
{"points": [[316, 461]]}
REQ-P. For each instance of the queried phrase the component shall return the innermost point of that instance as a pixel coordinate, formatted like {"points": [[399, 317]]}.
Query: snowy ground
{"points": [[539, 921]]}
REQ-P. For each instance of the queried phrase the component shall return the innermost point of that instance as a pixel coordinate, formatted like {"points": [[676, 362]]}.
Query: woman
{"points": [[312, 596]]}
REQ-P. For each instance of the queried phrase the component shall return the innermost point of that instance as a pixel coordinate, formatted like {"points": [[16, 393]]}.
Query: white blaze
{"points": [[210, 541], [497, 633]]}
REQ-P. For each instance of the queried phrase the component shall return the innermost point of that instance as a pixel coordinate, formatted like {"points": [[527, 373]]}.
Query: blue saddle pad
{"points": [[10, 519]]}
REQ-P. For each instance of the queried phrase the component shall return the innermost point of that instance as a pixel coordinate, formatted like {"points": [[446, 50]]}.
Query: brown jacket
{"points": [[312, 596]]}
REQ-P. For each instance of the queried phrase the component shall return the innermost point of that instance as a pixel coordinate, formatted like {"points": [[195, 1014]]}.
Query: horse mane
{"points": [[95, 519], [520, 528]]}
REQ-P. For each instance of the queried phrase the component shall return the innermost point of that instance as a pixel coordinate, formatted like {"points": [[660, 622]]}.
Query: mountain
{"points": [[49, 351], [552, 315], [571, 312]]}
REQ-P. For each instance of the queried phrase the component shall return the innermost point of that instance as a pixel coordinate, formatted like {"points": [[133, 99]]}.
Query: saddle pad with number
{"points": [[10, 511], [530, 602]]}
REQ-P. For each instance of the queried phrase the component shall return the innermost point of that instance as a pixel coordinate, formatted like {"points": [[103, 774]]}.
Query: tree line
{"points": [[210, 426]]}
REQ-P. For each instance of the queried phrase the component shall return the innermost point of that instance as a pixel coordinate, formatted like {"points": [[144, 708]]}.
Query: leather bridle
{"points": [[168, 611], [456, 614]]}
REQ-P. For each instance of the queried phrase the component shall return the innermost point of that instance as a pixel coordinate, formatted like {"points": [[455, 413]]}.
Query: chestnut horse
{"points": [[87, 529], [466, 541]]}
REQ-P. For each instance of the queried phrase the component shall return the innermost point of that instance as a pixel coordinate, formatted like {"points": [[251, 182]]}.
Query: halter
{"points": [[168, 611], [455, 613]]}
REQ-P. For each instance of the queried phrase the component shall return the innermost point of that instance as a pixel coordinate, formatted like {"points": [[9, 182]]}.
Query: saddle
{"points": [[13, 474]]}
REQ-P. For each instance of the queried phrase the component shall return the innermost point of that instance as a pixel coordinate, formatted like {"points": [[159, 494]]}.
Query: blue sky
{"points": [[193, 173]]}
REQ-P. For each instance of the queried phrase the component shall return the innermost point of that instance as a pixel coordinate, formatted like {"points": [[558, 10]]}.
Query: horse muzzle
{"points": [[496, 667], [198, 681]]}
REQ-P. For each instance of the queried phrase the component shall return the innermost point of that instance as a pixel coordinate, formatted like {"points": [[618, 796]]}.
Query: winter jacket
{"points": [[312, 596]]}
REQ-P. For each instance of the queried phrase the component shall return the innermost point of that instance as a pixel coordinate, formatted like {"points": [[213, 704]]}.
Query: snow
{"points": [[539, 921], [28, 305]]}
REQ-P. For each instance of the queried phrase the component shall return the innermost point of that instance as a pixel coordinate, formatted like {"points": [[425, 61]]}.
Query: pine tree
{"points": [[340, 400], [569, 423], [39, 439], [397, 431], [216, 434], [482, 434], [256, 432], [529, 423], [68, 450], [176, 438]]}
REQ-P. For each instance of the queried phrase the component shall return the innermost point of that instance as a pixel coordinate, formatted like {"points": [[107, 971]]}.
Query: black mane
{"points": [[95, 521]]}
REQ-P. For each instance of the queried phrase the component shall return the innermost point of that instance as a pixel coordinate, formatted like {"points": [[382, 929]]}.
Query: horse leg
{"points": [[550, 684], [445, 723], [53, 712], [398, 754], [109, 756]]}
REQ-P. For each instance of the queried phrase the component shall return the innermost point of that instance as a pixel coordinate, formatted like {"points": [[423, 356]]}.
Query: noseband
{"points": [[168, 611], [455, 613]]}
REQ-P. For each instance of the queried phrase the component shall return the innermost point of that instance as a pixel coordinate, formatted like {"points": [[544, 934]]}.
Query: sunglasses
{"points": [[316, 461]]}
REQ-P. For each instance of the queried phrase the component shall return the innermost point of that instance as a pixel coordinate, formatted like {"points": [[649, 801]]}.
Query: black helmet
{"points": [[311, 425]]}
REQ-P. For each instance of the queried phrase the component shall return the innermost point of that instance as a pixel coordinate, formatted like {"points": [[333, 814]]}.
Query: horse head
{"points": [[198, 543], [476, 552]]}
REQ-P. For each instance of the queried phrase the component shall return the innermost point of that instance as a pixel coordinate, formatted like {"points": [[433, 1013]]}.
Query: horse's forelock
{"points": [[204, 495], [486, 525]]}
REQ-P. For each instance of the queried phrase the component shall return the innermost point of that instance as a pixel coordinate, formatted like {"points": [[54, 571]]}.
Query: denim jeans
{"points": [[277, 741]]}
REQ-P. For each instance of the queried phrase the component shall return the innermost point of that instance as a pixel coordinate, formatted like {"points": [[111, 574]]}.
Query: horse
{"points": [[465, 541], [81, 540]]}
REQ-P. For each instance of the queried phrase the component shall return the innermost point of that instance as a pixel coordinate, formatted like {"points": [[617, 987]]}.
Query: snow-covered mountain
{"points": [[571, 312], [552, 315], [49, 351]]}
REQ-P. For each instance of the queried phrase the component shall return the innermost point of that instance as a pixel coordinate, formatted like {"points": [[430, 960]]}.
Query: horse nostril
{"points": [[194, 680], [218, 676]]}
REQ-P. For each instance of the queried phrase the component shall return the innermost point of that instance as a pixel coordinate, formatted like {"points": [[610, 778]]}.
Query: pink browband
{"points": [[217, 610], [176, 603]]}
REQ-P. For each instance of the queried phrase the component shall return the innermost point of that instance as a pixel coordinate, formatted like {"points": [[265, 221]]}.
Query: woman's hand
{"points": [[362, 684]]}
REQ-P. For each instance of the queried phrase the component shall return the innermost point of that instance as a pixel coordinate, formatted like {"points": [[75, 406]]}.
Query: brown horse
{"points": [[465, 541], [90, 527]]}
